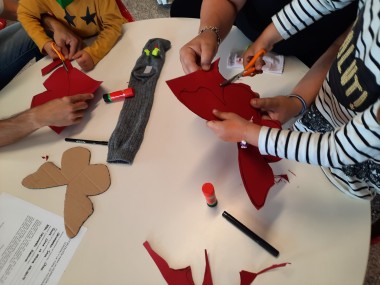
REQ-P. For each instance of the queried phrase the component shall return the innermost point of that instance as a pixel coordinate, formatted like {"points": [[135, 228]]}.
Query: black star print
{"points": [[89, 17], [69, 18]]}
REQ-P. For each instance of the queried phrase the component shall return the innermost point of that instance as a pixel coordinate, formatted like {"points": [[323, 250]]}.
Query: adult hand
{"points": [[199, 52], [61, 112], [84, 60]]}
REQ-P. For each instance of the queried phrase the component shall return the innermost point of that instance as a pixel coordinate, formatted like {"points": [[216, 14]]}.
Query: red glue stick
{"points": [[209, 193], [118, 95]]}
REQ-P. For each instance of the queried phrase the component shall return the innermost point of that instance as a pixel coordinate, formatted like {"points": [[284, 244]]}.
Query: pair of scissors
{"points": [[249, 69], [60, 55]]}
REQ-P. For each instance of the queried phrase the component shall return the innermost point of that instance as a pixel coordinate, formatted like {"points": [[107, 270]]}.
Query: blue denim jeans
{"points": [[16, 50]]}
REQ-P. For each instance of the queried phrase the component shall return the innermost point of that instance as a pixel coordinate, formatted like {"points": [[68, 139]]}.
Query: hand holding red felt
{"points": [[61, 83], [230, 127], [200, 91]]}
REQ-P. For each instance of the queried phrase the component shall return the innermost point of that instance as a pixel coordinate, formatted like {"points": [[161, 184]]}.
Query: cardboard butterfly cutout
{"points": [[61, 83], [184, 276], [200, 91], [82, 179]]}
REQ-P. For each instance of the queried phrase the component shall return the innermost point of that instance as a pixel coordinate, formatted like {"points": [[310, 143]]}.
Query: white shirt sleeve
{"points": [[299, 14], [354, 142]]}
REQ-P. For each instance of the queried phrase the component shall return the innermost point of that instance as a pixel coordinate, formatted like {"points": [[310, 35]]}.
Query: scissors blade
{"points": [[60, 55], [249, 70], [232, 79], [64, 66]]}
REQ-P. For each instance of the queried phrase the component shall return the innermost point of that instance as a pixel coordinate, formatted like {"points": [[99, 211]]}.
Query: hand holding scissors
{"points": [[249, 69], [60, 55]]}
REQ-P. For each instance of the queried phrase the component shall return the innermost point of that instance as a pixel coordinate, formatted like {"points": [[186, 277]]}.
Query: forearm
{"points": [[104, 42], [223, 17], [351, 143], [50, 23], [292, 18], [18, 127], [10, 10], [310, 84], [30, 21]]}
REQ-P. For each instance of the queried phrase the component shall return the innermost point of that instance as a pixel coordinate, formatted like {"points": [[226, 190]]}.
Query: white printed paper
{"points": [[274, 63], [34, 248]]}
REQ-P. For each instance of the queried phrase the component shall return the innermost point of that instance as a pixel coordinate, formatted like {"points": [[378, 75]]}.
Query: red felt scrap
{"points": [[172, 276], [246, 277], [200, 91], [207, 278], [61, 83], [184, 277]]}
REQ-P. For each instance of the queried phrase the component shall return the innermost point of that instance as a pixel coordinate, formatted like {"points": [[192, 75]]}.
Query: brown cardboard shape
{"points": [[82, 179]]}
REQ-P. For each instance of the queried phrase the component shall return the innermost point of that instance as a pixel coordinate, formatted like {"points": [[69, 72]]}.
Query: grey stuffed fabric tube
{"points": [[128, 134]]}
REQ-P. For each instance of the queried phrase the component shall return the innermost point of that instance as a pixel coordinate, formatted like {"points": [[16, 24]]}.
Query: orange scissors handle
{"points": [[250, 67], [60, 55]]}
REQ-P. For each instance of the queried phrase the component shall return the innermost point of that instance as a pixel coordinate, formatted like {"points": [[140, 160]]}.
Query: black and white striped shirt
{"points": [[340, 132]]}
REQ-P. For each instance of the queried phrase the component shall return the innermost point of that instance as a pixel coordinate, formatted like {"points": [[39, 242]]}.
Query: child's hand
{"points": [[84, 60], [250, 53], [49, 50], [280, 108], [67, 40], [230, 128]]}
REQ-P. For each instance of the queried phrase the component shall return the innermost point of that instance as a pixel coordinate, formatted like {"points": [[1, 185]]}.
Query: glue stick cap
{"points": [[107, 98], [209, 193]]}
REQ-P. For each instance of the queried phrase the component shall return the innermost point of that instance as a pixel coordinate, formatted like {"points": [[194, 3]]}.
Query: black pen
{"points": [[251, 234], [86, 141]]}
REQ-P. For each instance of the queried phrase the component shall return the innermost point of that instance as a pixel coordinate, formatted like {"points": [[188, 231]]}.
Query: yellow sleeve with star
{"points": [[110, 22], [86, 18], [29, 14]]}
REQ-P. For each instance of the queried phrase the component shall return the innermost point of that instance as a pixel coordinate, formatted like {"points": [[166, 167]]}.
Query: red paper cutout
{"points": [[61, 83], [200, 91], [246, 277]]}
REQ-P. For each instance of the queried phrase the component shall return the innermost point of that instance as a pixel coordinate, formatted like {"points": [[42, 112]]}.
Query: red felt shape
{"points": [[246, 277], [61, 83], [200, 91], [172, 276], [184, 277], [178, 276], [207, 278]]}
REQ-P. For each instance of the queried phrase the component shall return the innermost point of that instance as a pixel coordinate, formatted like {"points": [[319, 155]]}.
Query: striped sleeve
{"points": [[354, 142], [299, 14]]}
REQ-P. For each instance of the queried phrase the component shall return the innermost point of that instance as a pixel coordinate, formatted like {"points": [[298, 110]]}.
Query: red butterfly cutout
{"points": [[200, 91]]}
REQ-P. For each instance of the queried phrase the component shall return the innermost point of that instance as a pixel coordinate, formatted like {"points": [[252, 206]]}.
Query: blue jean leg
{"points": [[16, 50]]}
